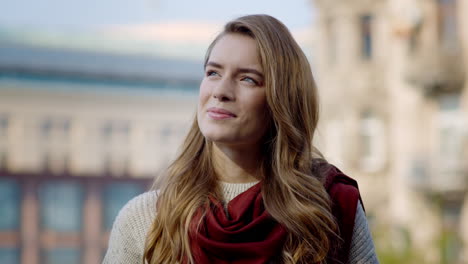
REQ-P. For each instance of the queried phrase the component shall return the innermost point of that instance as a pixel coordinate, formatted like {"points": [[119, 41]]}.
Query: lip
{"points": [[219, 113]]}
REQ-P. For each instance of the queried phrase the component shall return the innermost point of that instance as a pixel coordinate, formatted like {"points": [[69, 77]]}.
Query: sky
{"points": [[92, 13], [177, 28]]}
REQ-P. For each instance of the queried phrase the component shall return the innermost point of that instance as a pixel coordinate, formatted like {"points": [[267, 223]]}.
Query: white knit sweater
{"points": [[128, 235]]}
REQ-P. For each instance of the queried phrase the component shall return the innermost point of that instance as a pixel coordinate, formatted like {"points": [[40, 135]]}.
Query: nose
{"points": [[224, 90]]}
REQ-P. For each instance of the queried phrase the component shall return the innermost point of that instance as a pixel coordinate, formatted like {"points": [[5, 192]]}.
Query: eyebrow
{"points": [[240, 70]]}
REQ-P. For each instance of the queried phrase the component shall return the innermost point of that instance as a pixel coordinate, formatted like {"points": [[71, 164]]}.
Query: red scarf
{"points": [[248, 236], [251, 236]]}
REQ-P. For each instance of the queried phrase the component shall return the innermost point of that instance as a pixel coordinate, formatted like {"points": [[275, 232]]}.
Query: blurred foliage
{"points": [[449, 245], [398, 248], [395, 247]]}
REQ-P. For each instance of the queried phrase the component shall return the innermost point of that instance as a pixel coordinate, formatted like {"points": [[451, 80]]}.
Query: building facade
{"points": [[392, 80], [80, 135]]}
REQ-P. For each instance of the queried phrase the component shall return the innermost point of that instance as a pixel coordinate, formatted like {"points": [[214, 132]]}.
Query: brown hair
{"points": [[293, 192]]}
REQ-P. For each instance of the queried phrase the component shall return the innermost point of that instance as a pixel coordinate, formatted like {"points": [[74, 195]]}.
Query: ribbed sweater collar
{"points": [[231, 190]]}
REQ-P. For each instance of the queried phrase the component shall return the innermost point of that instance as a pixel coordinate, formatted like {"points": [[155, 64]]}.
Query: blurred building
{"points": [[395, 116], [80, 134]]}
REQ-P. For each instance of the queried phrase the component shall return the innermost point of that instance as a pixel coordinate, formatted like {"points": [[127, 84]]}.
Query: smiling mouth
{"points": [[219, 113]]}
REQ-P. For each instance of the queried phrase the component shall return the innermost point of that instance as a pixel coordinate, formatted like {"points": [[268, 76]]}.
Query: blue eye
{"points": [[250, 80], [211, 73]]}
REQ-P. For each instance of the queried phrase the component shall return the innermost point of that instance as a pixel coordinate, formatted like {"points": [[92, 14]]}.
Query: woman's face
{"points": [[232, 106]]}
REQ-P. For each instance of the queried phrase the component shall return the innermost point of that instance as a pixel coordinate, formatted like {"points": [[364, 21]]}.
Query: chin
{"points": [[215, 132], [217, 137]]}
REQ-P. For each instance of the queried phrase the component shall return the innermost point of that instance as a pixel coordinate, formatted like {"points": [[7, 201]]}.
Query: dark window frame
{"points": [[367, 38]]}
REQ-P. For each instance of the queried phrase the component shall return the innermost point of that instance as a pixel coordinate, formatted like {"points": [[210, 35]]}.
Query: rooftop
{"points": [[34, 63]]}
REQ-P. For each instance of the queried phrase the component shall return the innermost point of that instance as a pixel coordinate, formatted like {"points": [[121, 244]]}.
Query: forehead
{"points": [[237, 50]]}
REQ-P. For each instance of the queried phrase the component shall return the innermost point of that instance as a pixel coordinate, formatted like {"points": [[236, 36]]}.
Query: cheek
{"points": [[204, 93], [203, 98]]}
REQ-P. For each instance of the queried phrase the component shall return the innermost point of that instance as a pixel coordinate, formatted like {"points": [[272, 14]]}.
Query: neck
{"points": [[236, 165]]}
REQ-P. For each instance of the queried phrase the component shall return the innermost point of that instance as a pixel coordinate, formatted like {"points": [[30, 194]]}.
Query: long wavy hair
{"points": [[292, 189]]}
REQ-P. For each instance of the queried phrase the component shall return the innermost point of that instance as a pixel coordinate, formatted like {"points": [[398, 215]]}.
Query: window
{"points": [[3, 160], [10, 197], [449, 102], [366, 36], [61, 255], [61, 206], [4, 123], [106, 131], [55, 140], [60, 203], [448, 29], [166, 132], [449, 142], [115, 131], [46, 128], [450, 127], [115, 195], [60, 214], [55, 128], [372, 142], [10, 205], [10, 255]]}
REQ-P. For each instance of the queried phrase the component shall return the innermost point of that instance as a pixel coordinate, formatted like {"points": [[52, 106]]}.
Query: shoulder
{"points": [[137, 215], [362, 248], [143, 205], [343, 190], [335, 177], [331, 176], [344, 196], [128, 234]]}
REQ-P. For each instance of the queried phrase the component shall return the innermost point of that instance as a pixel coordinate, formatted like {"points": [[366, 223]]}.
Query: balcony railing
{"points": [[439, 175], [437, 70]]}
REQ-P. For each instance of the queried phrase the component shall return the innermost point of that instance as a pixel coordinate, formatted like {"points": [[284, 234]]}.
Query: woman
{"points": [[248, 185]]}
